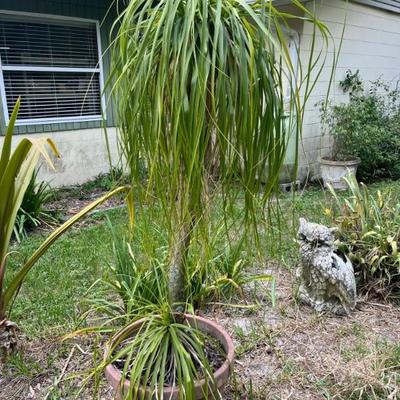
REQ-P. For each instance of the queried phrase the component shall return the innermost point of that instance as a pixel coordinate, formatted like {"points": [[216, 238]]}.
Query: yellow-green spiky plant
{"points": [[203, 89], [16, 169]]}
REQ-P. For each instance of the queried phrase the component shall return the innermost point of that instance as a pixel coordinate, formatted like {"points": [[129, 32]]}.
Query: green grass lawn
{"points": [[51, 297]]}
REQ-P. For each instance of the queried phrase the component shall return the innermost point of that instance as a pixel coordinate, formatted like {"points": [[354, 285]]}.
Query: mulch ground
{"points": [[283, 352], [71, 203], [68, 204]]}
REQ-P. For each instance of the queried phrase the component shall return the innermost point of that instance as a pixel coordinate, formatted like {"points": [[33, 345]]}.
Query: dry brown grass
{"points": [[303, 355], [286, 352]]}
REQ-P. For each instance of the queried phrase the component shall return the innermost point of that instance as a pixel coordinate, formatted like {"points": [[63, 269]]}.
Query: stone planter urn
{"points": [[333, 172]]}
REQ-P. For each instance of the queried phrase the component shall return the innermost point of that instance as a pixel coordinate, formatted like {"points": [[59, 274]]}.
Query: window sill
{"points": [[49, 121]]}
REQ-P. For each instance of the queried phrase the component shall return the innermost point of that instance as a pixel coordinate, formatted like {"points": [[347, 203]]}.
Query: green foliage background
{"points": [[368, 126]]}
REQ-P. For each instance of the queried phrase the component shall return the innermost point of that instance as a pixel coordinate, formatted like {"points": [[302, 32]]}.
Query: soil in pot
{"points": [[159, 335], [213, 352]]}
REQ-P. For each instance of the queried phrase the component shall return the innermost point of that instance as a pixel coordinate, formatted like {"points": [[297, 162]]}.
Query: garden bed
{"points": [[285, 351]]}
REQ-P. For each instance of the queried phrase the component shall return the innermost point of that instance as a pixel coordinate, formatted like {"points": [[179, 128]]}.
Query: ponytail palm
{"points": [[203, 89]]}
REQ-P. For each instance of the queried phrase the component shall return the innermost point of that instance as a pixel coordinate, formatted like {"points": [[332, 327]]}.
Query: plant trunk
{"points": [[211, 161], [177, 269]]}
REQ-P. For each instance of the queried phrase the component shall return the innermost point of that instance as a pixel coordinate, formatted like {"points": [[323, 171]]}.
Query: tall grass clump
{"points": [[369, 231]]}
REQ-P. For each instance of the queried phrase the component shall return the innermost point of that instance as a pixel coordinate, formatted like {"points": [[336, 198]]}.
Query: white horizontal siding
{"points": [[371, 44], [391, 5]]}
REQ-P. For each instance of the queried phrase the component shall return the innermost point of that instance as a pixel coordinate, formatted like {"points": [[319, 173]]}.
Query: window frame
{"points": [[294, 53], [99, 69]]}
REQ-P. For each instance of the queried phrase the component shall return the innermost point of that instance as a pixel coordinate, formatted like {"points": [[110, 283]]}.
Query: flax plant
{"points": [[207, 94], [16, 170]]}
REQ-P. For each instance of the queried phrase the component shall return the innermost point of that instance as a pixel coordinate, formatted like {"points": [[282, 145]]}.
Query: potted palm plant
{"points": [[200, 96]]}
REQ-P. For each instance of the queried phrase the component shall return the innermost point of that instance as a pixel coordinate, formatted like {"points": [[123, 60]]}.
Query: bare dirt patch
{"points": [[291, 352], [70, 202], [50, 370]]}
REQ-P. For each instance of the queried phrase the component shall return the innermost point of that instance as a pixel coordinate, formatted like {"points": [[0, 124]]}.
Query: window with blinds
{"points": [[53, 65]]}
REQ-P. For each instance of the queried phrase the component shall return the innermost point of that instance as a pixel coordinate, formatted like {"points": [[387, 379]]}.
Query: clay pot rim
{"points": [[339, 163], [114, 374]]}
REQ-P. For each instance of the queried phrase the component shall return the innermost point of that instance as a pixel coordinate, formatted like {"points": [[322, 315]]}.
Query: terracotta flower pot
{"points": [[221, 376], [333, 172]]}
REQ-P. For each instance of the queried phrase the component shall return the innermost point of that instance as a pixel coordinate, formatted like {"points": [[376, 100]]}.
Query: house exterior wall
{"points": [[83, 155], [371, 44], [82, 144], [391, 5]]}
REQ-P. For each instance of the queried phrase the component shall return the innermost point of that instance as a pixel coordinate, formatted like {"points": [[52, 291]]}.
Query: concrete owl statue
{"points": [[326, 275]]}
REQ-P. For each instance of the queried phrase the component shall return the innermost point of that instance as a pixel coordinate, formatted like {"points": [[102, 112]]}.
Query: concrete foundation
{"points": [[83, 152]]}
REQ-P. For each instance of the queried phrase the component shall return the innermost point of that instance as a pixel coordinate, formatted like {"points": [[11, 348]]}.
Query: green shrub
{"points": [[32, 212], [368, 126], [106, 180], [224, 276], [369, 231]]}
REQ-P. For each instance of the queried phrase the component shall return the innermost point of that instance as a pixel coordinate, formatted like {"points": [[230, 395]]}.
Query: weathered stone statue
{"points": [[326, 275]]}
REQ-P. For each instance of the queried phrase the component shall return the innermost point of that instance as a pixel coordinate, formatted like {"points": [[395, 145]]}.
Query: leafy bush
{"points": [[32, 213], [368, 126], [106, 180], [369, 231]]}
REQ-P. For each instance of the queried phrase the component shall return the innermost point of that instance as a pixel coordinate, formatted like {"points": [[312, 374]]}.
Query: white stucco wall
{"points": [[83, 155], [371, 44]]}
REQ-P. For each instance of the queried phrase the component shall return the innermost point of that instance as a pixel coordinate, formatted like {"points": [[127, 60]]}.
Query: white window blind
{"points": [[53, 65]]}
